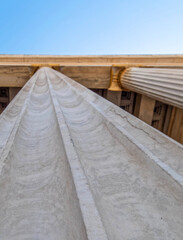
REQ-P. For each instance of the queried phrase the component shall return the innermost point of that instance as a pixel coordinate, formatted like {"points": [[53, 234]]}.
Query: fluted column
{"points": [[74, 166], [163, 84]]}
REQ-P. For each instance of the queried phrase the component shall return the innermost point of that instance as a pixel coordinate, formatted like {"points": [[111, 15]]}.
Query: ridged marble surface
{"points": [[74, 166], [164, 84]]}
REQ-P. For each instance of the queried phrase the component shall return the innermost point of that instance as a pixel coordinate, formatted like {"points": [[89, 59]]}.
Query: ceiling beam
{"points": [[105, 60]]}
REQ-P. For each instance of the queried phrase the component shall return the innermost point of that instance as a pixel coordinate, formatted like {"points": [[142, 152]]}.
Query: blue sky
{"points": [[92, 27]]}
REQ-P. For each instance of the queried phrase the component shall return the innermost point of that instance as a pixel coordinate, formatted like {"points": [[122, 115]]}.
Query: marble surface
{"points": [[73, 166]]}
